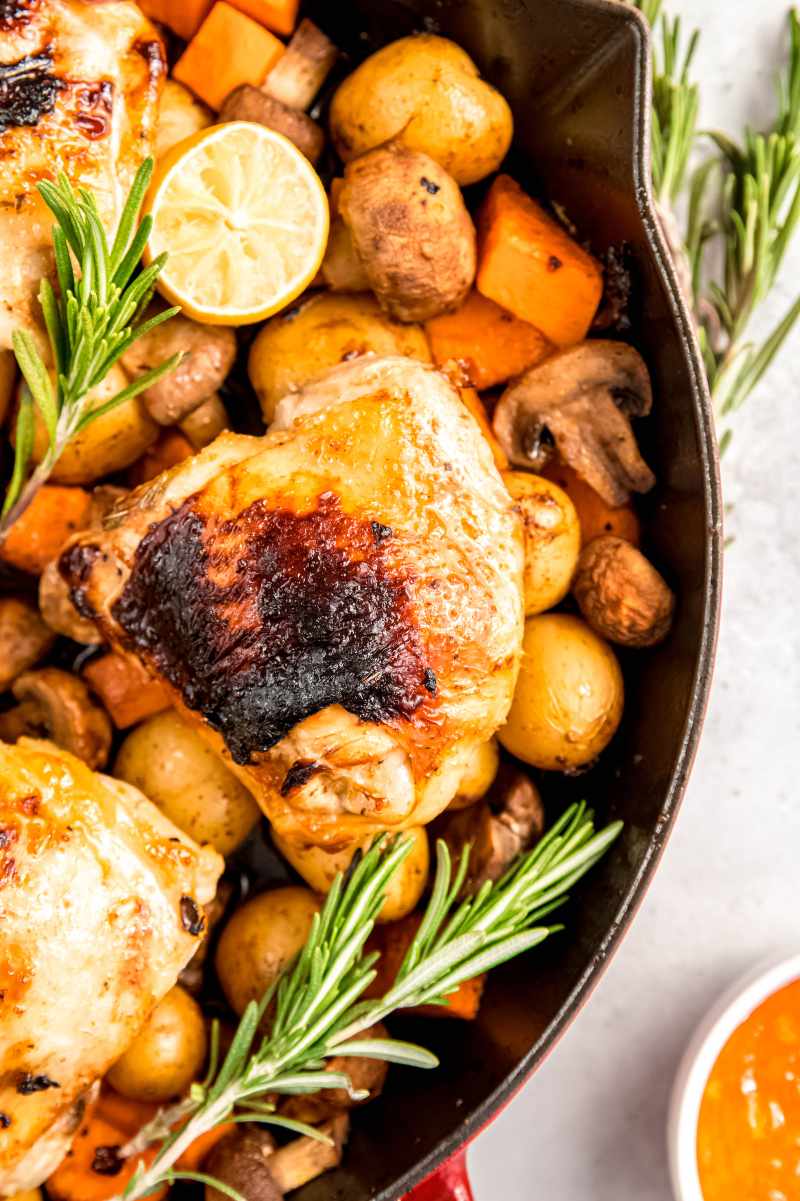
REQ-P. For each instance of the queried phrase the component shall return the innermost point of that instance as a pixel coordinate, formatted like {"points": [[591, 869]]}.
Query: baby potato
{"points": [[261, 938], [179, 772], [166, 1055], [552, 538], [319, 867], [478, 775], [180, 114], [569, 696], [424, 92], [108, 444], [305, 342]]}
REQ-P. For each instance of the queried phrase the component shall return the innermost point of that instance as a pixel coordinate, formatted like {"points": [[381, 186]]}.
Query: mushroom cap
{"points": [[71, 717], [583, 398], [241, 1160]]}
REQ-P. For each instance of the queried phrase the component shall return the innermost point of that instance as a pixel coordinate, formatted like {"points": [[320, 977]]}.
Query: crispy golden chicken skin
{"points": [[339, 604], [79, 91], [100, 908]]}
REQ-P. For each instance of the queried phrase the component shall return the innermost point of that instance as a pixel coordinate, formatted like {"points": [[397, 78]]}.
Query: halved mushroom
{"points": [[582, 399], [208, 355], [290, 87], [24, 638], [510, 820], [57, 705], [246, 1160]]}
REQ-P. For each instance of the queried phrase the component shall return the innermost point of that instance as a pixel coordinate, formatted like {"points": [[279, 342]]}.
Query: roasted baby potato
{"points": [[302, 343], [178, 771], [569, 696], [318, 867], [108, 444], [167, 1055], [411, 232], [179, 116], [425, 92], [260, 939], [552, 538]]}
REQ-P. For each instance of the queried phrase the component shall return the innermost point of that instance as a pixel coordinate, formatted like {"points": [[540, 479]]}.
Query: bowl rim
{"points": [[724, 1017]]}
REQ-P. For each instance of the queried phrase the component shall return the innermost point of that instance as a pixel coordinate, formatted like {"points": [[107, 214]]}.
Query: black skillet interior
{"points": [[575, 73]]}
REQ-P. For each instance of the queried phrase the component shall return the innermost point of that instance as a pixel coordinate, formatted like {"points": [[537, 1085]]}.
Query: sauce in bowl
{"points": [[748, 1133]]}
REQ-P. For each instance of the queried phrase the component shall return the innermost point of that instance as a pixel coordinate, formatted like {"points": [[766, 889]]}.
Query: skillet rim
{"points": [[456, 1142]]}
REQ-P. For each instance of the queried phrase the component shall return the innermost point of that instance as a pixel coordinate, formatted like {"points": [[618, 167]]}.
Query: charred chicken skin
{"points": [[100, 908], [79, 91], [338, 604]]}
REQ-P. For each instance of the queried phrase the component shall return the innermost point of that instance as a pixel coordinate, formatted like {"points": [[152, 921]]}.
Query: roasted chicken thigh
{"points": [[79, 91], [100, 908], [338, 604]]}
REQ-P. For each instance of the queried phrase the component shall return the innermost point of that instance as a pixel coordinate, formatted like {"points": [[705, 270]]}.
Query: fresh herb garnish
{"points": [[317, 1010], [743, 209], [91, 321]]}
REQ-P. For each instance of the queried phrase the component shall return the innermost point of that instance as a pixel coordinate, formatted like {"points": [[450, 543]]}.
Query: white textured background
{"points": [[590, 1125]]}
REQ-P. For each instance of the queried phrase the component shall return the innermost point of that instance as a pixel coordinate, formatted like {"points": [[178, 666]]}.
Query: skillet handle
{"points": [[450, 1182]]}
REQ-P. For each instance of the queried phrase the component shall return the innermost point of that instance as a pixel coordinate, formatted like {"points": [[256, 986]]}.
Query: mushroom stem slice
{"points": [[582, 399], [306, 1158]]}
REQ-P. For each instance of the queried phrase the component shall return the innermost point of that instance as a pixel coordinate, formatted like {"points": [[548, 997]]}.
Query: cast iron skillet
{"points": [[576, 73]]}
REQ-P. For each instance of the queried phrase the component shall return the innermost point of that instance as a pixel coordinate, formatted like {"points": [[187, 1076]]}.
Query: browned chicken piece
{"points": [[338, 603], [79, 91], [101, 906]]}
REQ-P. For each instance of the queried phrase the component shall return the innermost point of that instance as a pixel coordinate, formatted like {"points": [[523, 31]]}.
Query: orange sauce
{"points": [[748, 1133]]}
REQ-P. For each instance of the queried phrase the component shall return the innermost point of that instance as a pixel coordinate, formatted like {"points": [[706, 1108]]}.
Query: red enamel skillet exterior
{"points": [[576, 73]]}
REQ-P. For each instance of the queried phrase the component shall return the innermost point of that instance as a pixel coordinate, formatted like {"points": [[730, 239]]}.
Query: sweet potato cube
{"points": [[228, 49], [529, 264]]}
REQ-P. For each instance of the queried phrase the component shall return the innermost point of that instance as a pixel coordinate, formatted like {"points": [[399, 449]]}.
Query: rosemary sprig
{"points": [[318, 1007], [676, 102], [743, 199], [95, 315]]}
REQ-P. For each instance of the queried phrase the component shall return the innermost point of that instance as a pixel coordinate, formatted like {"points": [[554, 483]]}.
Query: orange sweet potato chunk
{"points": [[229, 49], [529, 264]]}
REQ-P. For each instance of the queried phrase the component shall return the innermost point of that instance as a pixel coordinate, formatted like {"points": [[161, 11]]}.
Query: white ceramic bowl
{"points": [[708, 1040]]}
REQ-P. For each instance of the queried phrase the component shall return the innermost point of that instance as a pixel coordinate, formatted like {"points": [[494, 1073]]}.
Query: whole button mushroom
{"points": [[24, 638], [621, 594], [411, 232]]}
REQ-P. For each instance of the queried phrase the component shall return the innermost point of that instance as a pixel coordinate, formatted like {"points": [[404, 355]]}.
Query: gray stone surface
{"points": [[590, 1126]]}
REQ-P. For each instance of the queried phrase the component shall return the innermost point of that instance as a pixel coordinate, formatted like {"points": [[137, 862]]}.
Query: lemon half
{"points": [[243, 217]]}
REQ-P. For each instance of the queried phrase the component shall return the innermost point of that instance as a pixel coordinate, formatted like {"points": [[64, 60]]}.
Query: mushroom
{"points": [[304, 1159], [510, 820], [205, 422], [208, 355], [246, 1160], [57, 705], [290, 87], [411, 231], [581, 398], [365, 1075], [241, 1160], [24, 638], [621, 594]]}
